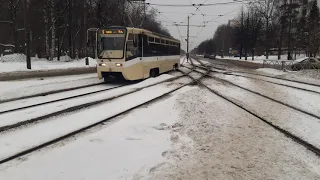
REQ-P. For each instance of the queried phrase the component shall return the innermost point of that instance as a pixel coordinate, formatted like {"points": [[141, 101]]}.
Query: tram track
{"points": [[49, 93], [287, 133], [98, 122], [9, 125], [255, 78], [257, 93], [61, 99], [231, 72]]}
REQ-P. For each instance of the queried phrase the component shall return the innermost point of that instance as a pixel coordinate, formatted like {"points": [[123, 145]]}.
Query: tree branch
{"points": [[9, 22], [17, 3], [7, 45]]}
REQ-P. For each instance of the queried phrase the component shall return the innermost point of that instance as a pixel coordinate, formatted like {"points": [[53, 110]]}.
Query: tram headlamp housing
{"points": [[103, 64], [119, 65]]}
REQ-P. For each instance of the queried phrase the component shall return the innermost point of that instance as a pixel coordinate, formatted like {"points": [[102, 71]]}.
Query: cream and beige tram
{"points": [[134, 54]]}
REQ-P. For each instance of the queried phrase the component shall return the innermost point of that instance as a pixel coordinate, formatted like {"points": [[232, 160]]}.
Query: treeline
{"points": [[269, 27], [59, 27]]}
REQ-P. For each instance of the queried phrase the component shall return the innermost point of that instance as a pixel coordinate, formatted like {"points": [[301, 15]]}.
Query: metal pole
{"points": [[223, 34], [27, 32], [85, 27], [188, 39]]}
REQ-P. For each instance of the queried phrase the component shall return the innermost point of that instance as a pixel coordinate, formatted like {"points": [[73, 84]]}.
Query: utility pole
{"points": [[223, 35], [188, 39], [27, 32]]}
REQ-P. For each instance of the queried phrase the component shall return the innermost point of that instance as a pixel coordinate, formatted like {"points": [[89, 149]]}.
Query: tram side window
{"points": [[159, 48]]}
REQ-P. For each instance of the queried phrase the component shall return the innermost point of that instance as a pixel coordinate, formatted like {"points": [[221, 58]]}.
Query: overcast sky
{"points": [[179, 14]]}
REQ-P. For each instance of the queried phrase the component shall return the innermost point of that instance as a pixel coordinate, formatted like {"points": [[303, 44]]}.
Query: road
{"points": [[233, 64], [201, 122]]}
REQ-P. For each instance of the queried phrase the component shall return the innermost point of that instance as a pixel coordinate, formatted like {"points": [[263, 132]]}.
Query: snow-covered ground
{"points": [[17, 62], [259, 59], [191, 134], [271, 71], [308, 75], [28, 87]]}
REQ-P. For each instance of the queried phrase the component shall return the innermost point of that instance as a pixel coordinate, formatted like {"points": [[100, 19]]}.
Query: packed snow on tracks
{"points": [[28, 87], [217, 140], [127, 148], [192, 135]]}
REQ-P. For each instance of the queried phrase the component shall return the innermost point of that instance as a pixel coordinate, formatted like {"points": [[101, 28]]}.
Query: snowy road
{"points": [[189, 134]]}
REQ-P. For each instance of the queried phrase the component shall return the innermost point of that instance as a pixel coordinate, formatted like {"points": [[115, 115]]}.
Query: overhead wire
{"points": [[190, 15]]}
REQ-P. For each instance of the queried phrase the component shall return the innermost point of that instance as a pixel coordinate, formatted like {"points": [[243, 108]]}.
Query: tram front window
{"points": [[112, 47]]}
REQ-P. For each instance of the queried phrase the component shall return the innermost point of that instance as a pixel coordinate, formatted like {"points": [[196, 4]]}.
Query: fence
{"points": [[276, 64], [292, 65]]}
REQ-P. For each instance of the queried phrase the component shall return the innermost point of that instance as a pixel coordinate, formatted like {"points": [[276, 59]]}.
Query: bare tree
{"points": [[266, 10]]}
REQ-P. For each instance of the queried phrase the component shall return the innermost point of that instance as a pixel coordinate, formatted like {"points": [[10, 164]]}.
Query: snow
{"points": [[299, 124], [271, 71], [307, 101], [295, 84], [192, 134], [130, 145], [15, 117], [259, 59], [10, 142], [310, 76], [217, 140], [21, 88], [53, 97], [17, 62]]}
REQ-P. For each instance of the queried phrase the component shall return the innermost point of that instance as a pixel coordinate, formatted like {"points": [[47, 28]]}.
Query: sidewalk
{"points": [[13, 67], [7, 76]]}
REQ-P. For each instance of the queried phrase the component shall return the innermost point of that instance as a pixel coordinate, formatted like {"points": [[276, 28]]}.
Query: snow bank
{"points": [[260, 59], [271, 71], [17, 62], [310, 76]]}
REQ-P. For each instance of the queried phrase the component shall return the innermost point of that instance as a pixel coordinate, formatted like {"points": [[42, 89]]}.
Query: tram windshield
{"points": [[112, 46]]}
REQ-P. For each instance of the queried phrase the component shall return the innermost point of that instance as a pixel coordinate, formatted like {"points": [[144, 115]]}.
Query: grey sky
{"points": [[212, 12]]}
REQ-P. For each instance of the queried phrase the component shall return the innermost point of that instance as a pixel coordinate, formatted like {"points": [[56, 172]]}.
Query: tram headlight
{"points": [[119, 65], [103, 64]]}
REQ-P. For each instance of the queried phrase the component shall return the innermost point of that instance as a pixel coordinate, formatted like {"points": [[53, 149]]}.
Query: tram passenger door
{"points": [[144, 52]]}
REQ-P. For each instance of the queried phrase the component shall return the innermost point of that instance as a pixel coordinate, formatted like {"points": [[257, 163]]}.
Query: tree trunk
{"points": [[280, 41], [252, 51], [47, 31], [53, 30], [241, 48], [289, 38], [71, 49], [14, 26], [267, 39], [85, 27]]}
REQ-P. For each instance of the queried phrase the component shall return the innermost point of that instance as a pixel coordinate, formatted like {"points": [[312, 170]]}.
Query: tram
{"points": [[134, 54]]}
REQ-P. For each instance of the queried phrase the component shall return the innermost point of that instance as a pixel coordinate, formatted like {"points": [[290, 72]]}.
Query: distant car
{"points": [[206, 56], [308, 63], [7, 52], [212, 56]]}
